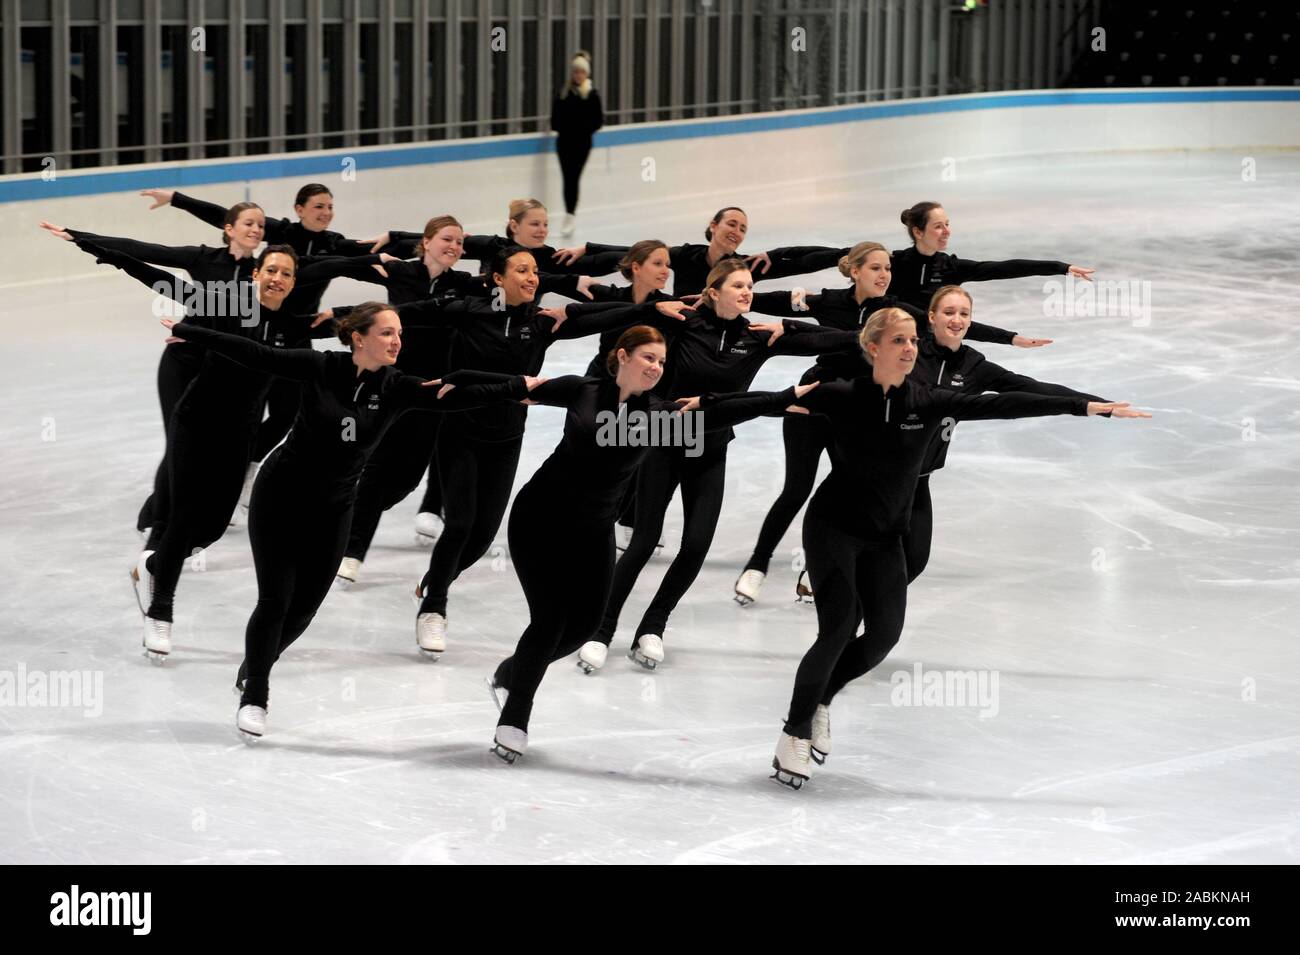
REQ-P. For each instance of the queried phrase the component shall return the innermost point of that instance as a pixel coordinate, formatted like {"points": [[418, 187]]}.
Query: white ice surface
{"points": [[1129, 583]]}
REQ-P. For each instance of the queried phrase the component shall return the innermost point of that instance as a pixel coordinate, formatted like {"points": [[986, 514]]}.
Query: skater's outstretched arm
{"points": [[297, 364], [939, 402], [174, 256]]}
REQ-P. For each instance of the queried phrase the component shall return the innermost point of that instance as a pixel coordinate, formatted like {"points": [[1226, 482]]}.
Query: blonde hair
{"points": [[857, 257], [876, 326], [947, 290], [518, 209]]}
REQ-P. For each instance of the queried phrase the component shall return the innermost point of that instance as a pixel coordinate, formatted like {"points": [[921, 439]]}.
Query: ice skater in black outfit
{"points": [[220, 268], [575, 117], [215, 421], [528, 226], [882, 427], [406, 451], [308, 235], [303, 495], [945, 361], [478, 452], [561, 524], [868, 265], [925, 267], [715, 350], [691, 263]]}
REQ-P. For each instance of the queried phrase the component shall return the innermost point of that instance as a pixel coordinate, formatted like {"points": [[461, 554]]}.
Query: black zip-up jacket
{"points": [[586, 474], [916, 277], [968, 372], [880, 439], [343, 413], [710, 354], [228, 395], [290, 232], [424, 347], [690, 262], [510, 341], [573, 117]]}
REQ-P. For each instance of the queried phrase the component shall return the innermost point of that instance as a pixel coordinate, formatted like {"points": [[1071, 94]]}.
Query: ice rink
{"points": [[1121, 587]]}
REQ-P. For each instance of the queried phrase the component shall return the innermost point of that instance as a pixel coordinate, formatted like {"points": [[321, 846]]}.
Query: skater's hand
{"points": [[569, 255], [691, 298], [376, 243], [167, 323], [775, 330], [1116, 409], [557, 315], [688, 404], [1020, 341], [675, 310], [531, 381], [381, 270], [56, 230], [437, 381], [585, 282], [160, 197], [762, 258], [799, 299], [799, 392], [1079, 272], [325, 316]]}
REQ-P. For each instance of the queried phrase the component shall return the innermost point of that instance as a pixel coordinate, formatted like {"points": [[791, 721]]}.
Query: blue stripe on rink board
{"points": [[30, 185]]}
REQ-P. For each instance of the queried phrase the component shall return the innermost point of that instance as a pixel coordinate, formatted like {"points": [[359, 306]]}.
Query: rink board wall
{"points": [[729, 160]]}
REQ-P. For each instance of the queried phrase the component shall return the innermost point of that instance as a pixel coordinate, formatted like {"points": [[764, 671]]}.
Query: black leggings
{"points": [[702, 480], [850, 576], [206, 460], [298, 540], [565, 564], [476, 480], [282, 403], [573, 155], [404, 453], [174, 375], [805, 436]]}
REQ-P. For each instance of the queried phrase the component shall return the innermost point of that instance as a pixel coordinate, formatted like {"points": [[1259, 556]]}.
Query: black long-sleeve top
{"points": [[880, 439], [424, 347], [691, 266], [228, 394], [589, 469], [290, 232], [711, 354], [484, 247], [968, 372], [917, 277], [510, 341], [574, 117], [343, 413]]}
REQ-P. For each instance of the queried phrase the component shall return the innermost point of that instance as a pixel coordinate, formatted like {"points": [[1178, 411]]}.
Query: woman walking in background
{"points": [[575, 116]]}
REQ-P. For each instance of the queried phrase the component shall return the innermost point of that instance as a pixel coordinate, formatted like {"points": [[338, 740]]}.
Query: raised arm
{"points": [[805, 338], [724, 410], [592, 318], [174, 256], [320, 270], [297, 364], [969, 270], [473, 389], [799, 260], [1010, 404], [997, 378], [164, 283]]}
